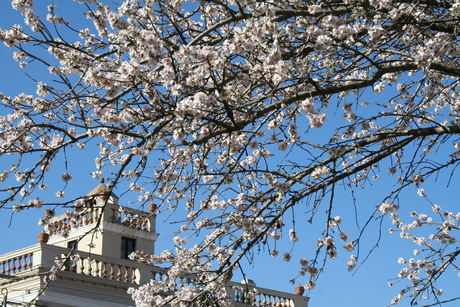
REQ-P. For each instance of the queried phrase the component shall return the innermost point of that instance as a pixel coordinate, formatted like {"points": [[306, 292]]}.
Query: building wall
{"points": [[106, 238]]}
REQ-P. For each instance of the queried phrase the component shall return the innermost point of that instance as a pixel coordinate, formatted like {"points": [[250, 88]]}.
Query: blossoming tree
{"points": [[233, 113]]}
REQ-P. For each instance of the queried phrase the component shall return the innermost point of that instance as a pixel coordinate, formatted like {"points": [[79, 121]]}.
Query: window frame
{"points": [[128, 245]]}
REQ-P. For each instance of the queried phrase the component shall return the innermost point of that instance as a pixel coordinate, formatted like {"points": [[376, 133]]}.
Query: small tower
{"points": [[101, 226], [85, 257]]}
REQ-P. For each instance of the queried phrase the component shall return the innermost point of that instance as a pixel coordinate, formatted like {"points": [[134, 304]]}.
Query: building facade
{"points": [[102, 273]]}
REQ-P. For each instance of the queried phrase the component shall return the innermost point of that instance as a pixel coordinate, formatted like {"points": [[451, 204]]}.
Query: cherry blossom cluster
{"points": [[60, 263], [434, 254], [234, 115], [188, 280]]}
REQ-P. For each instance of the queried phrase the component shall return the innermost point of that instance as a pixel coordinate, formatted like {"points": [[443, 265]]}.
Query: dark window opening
{"points": [[72, 244], [71, 265], [89, 203], [127, 247]]}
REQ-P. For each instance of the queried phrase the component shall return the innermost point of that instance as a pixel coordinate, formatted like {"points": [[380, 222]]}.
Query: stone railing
{"points": [[16, 262], [65, 222], [130, 217], [265, 297], [62, 224], [101, 269], [243, 295], [42, 256]]}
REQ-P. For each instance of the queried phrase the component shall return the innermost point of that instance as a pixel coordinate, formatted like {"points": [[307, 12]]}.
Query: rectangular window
{"points": [[72, 244], [127, 247], [70, 265]]}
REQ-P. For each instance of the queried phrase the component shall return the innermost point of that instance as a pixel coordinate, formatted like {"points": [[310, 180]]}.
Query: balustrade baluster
{"points": [[27, 262], [136, 275], [82, 266], [104, 270], [19, 266], [112, 271], [90, 267], [97, 262], [74, 266], [256, 300], [8, 267], [85, 218], [132, 275], [31, 260], [119, 275], [127, 274], [237, 296], [13, 268], [264, 300]]}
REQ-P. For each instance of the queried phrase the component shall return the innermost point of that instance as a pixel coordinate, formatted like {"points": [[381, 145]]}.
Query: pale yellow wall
{"points": [[106, 240]]}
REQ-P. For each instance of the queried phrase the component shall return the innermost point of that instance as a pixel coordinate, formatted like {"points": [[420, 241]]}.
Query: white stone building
{"points": [[103, 273]]}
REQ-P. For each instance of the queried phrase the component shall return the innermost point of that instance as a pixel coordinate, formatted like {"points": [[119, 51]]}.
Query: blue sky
{"points": [[366, 286]]}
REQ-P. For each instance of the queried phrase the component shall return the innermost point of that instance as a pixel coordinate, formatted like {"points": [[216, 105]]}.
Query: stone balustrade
{"points": [[100, 269], [131, 217], [62, 224], [241, 294], [16, 263], [265, 297]]}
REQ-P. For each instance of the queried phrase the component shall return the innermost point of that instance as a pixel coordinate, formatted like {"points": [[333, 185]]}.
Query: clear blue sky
{"points": [[336, 287]]}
